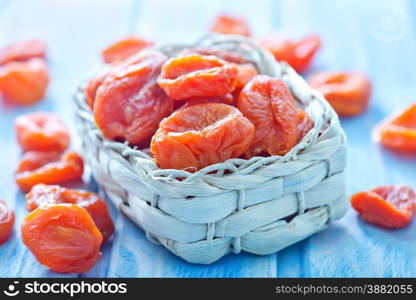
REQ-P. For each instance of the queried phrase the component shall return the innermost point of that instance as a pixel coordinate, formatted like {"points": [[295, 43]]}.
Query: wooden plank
{"points": [[76, 31], [379, 40]]}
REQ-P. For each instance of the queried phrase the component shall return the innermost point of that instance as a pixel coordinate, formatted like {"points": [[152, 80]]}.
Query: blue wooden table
{"points": [[377, 37]]}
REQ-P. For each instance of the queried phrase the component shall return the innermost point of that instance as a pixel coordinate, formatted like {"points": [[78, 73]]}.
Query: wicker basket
{"points": [[259, 205]]}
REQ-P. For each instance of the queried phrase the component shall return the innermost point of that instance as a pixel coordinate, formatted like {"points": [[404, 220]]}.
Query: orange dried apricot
{"points": [[6, 222], [297, 54], [226, 99], [268, 104], [123, 49], [305, 123], [95, 205], [347, 92], [388, 206], [399, 131], [201, 135], [129, 104], [41, 131], [37, 167], [24, 83], [227, 24], [62, 237], [22, 51], [196, 75]]}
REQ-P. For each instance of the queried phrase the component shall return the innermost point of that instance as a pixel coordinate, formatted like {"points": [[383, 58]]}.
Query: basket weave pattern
{"points": [[259, 205]]}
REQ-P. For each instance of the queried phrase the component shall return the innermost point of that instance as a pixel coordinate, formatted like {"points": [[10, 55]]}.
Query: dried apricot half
{"points": [[23, 51], [123, 49], [62, 237], [388, 206], [297, 54], [196, 75], [200, 135], [41, 131], [347, 92], [129, 104], [6, 222], [269, 105], [24, 83], [399, 131], [227, 24], [48, 168], [95, 205]]}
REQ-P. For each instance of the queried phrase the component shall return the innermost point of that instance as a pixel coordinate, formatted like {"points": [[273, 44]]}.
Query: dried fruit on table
{"points": [[24, 83], [62, 237], [297, 54], [6, 222], [388, 206], [399, 131], [129, 104], [95, 205], [201, 135], [22, 51], [305, 123], [268, 104], [124, 48], [347, 92], [226, 24], [196, 75], [40, 167], [41, 131]]}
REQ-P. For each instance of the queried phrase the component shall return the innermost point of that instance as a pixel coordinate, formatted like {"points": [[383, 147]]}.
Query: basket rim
{"points": [[322, 114]]}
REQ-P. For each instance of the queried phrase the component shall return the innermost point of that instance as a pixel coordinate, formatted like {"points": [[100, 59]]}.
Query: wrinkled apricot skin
{"points": [[6, 222], [347, 92], [201, 135], [69, 167], [62, 237], [387, 206], [298, 54], [268, 104], [41, 131], [191, 76], [399, 131], [22, 51], [305, 123], [123, 49], [129, 104], [24, 83], [95, 205], [226, 24]]}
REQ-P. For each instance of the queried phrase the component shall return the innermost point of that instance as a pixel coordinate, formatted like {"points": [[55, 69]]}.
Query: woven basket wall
{"points": [[259, 205]]}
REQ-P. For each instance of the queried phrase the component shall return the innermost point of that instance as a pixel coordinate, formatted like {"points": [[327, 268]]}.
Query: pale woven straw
{"points": [[260, 205]]}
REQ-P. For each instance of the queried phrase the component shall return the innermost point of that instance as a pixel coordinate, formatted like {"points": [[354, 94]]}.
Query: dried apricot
{"points": [[347, 92], [24, 83], [196, 75], [62, 237], [297, 54], [22, 51], [399, 131], [41, 131], [70, 166], [129, 104], [201, 135], [388, 206], [95, 205], [123, 49], [226, 24], [268, 104], [305, 123], [6, 222]]}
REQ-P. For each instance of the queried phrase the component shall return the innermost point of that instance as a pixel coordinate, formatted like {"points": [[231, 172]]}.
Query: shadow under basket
{"points": [[260, 205]]}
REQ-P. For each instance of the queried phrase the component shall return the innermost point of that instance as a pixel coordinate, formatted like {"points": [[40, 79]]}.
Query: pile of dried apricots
{"points": [[199, 108]]}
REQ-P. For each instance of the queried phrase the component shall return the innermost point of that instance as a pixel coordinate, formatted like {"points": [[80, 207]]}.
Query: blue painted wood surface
{"points": [[377, 37]]}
